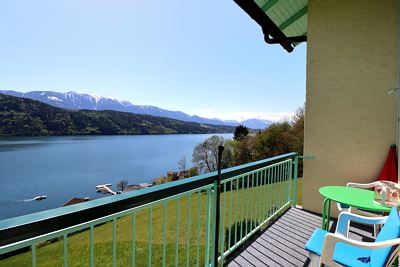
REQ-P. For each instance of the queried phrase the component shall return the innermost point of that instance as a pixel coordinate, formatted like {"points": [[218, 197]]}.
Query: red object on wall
{"points": [[389, 170]]}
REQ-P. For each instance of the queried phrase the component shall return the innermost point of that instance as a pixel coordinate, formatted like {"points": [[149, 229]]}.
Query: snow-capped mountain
{"points": [[74, 100]]}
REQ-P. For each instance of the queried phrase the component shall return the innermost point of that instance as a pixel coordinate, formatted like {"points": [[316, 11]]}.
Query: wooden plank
{"points": [[240, 261], [288, 236], [297, 225], [304, 221], [254, 259], [293, 249], [282, 253], [267, 258]]}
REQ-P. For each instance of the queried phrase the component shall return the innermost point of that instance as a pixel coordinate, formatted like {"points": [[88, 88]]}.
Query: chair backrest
{"points": [[391, 230]]}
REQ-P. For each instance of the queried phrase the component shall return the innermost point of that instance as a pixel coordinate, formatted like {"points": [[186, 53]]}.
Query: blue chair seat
{"points": [[316, 241], [344, 254]]}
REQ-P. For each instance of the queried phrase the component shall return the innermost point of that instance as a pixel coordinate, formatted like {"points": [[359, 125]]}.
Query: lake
{"points": [[71, 166]]}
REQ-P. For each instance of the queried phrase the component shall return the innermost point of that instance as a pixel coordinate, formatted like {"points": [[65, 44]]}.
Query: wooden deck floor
{"points": [[282, 243]]}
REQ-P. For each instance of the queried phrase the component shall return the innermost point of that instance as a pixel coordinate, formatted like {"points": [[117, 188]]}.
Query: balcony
{"points": [[175, 224]]}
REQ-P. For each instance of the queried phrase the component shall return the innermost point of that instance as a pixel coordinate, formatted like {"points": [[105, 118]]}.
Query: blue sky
{"points": [[203, 57]]}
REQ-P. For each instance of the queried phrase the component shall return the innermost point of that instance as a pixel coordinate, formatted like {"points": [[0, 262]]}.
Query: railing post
{"points": [[216, 209], [295, 171]]}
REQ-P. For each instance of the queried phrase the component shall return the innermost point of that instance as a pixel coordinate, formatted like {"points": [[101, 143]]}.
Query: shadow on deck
{"points": [[282, 243]]}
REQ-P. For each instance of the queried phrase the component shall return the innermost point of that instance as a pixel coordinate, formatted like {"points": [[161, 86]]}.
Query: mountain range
{"points": [[26, 117], [77, 101]]}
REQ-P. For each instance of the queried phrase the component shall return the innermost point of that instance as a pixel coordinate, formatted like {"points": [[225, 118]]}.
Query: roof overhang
{"points": [[283, 22]]}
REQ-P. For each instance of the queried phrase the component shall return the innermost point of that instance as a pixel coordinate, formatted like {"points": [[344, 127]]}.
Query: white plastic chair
{"points": [[346, 208], [338, 250]]}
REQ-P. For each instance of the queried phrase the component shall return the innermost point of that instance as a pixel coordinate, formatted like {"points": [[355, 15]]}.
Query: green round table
{"points": [[354, 197]]}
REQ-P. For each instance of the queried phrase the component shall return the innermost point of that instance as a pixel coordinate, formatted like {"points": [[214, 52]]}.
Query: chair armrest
{"points": [[331, 240], [346, 217], [373, 184], [369, 185]]}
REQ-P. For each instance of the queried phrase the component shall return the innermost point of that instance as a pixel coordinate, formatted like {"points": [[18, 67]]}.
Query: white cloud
{"points": [[240, 116]]}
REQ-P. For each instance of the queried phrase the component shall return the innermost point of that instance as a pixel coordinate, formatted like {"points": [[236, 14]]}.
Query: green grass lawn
{"points": [[51, 254]]}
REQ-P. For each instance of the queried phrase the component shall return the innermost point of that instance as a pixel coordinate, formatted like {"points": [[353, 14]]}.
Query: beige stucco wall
{"points": [[350, 119]]}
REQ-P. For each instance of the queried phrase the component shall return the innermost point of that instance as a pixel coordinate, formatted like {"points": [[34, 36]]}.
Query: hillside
{"points": [[26, 117], [75, 101]]}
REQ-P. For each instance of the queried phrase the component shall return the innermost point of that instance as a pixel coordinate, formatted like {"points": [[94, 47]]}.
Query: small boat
{"points": [[40, 197], [102, 186]]}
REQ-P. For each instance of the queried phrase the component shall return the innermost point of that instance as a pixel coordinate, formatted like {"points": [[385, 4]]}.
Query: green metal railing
{"points": [[172, 224]]}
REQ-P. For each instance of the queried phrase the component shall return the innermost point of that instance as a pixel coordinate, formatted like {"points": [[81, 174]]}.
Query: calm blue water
{"points": [[66, 167]]}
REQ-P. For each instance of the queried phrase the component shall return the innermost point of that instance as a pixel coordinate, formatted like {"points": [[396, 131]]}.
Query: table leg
{"points": [[326, 214], [328, 219]]}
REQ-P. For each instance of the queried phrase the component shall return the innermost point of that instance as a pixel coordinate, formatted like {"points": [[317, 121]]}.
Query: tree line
{"points": [[279, 138]]}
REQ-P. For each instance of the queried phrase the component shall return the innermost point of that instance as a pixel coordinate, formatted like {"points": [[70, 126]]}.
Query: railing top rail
{"points": [[26, 226]]}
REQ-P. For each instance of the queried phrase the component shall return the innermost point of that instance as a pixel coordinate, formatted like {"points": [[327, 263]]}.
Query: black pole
{"points": [[217, 205]]}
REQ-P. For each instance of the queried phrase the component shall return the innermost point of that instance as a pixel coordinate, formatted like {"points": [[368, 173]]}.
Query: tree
{"points": [[122, 185], [193, 172], [243, 152], [182, 164], [275, 140], [228, 158], [241, 132], [297, 131], [205, 154]]}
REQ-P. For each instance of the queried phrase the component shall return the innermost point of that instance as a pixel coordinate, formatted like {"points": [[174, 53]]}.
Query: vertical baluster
{"points": [[265, 200], [165, 233], [65, 237], [247, 203], [237, 208], [252, 202], [198, 228], [91, 246], [114, 242], [230, 215], [283, 184], [288, 181], [207, 257], [188, 232], [133, 238], [33, 248], [269, 203], [177, 233], [275, 188], [150, 233], [260, 195], [290, 163], [259, 187], [222, 226], [257, 196], [261, 207], [295, 172], [255, 174], [280, 185], [242, 204]]}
